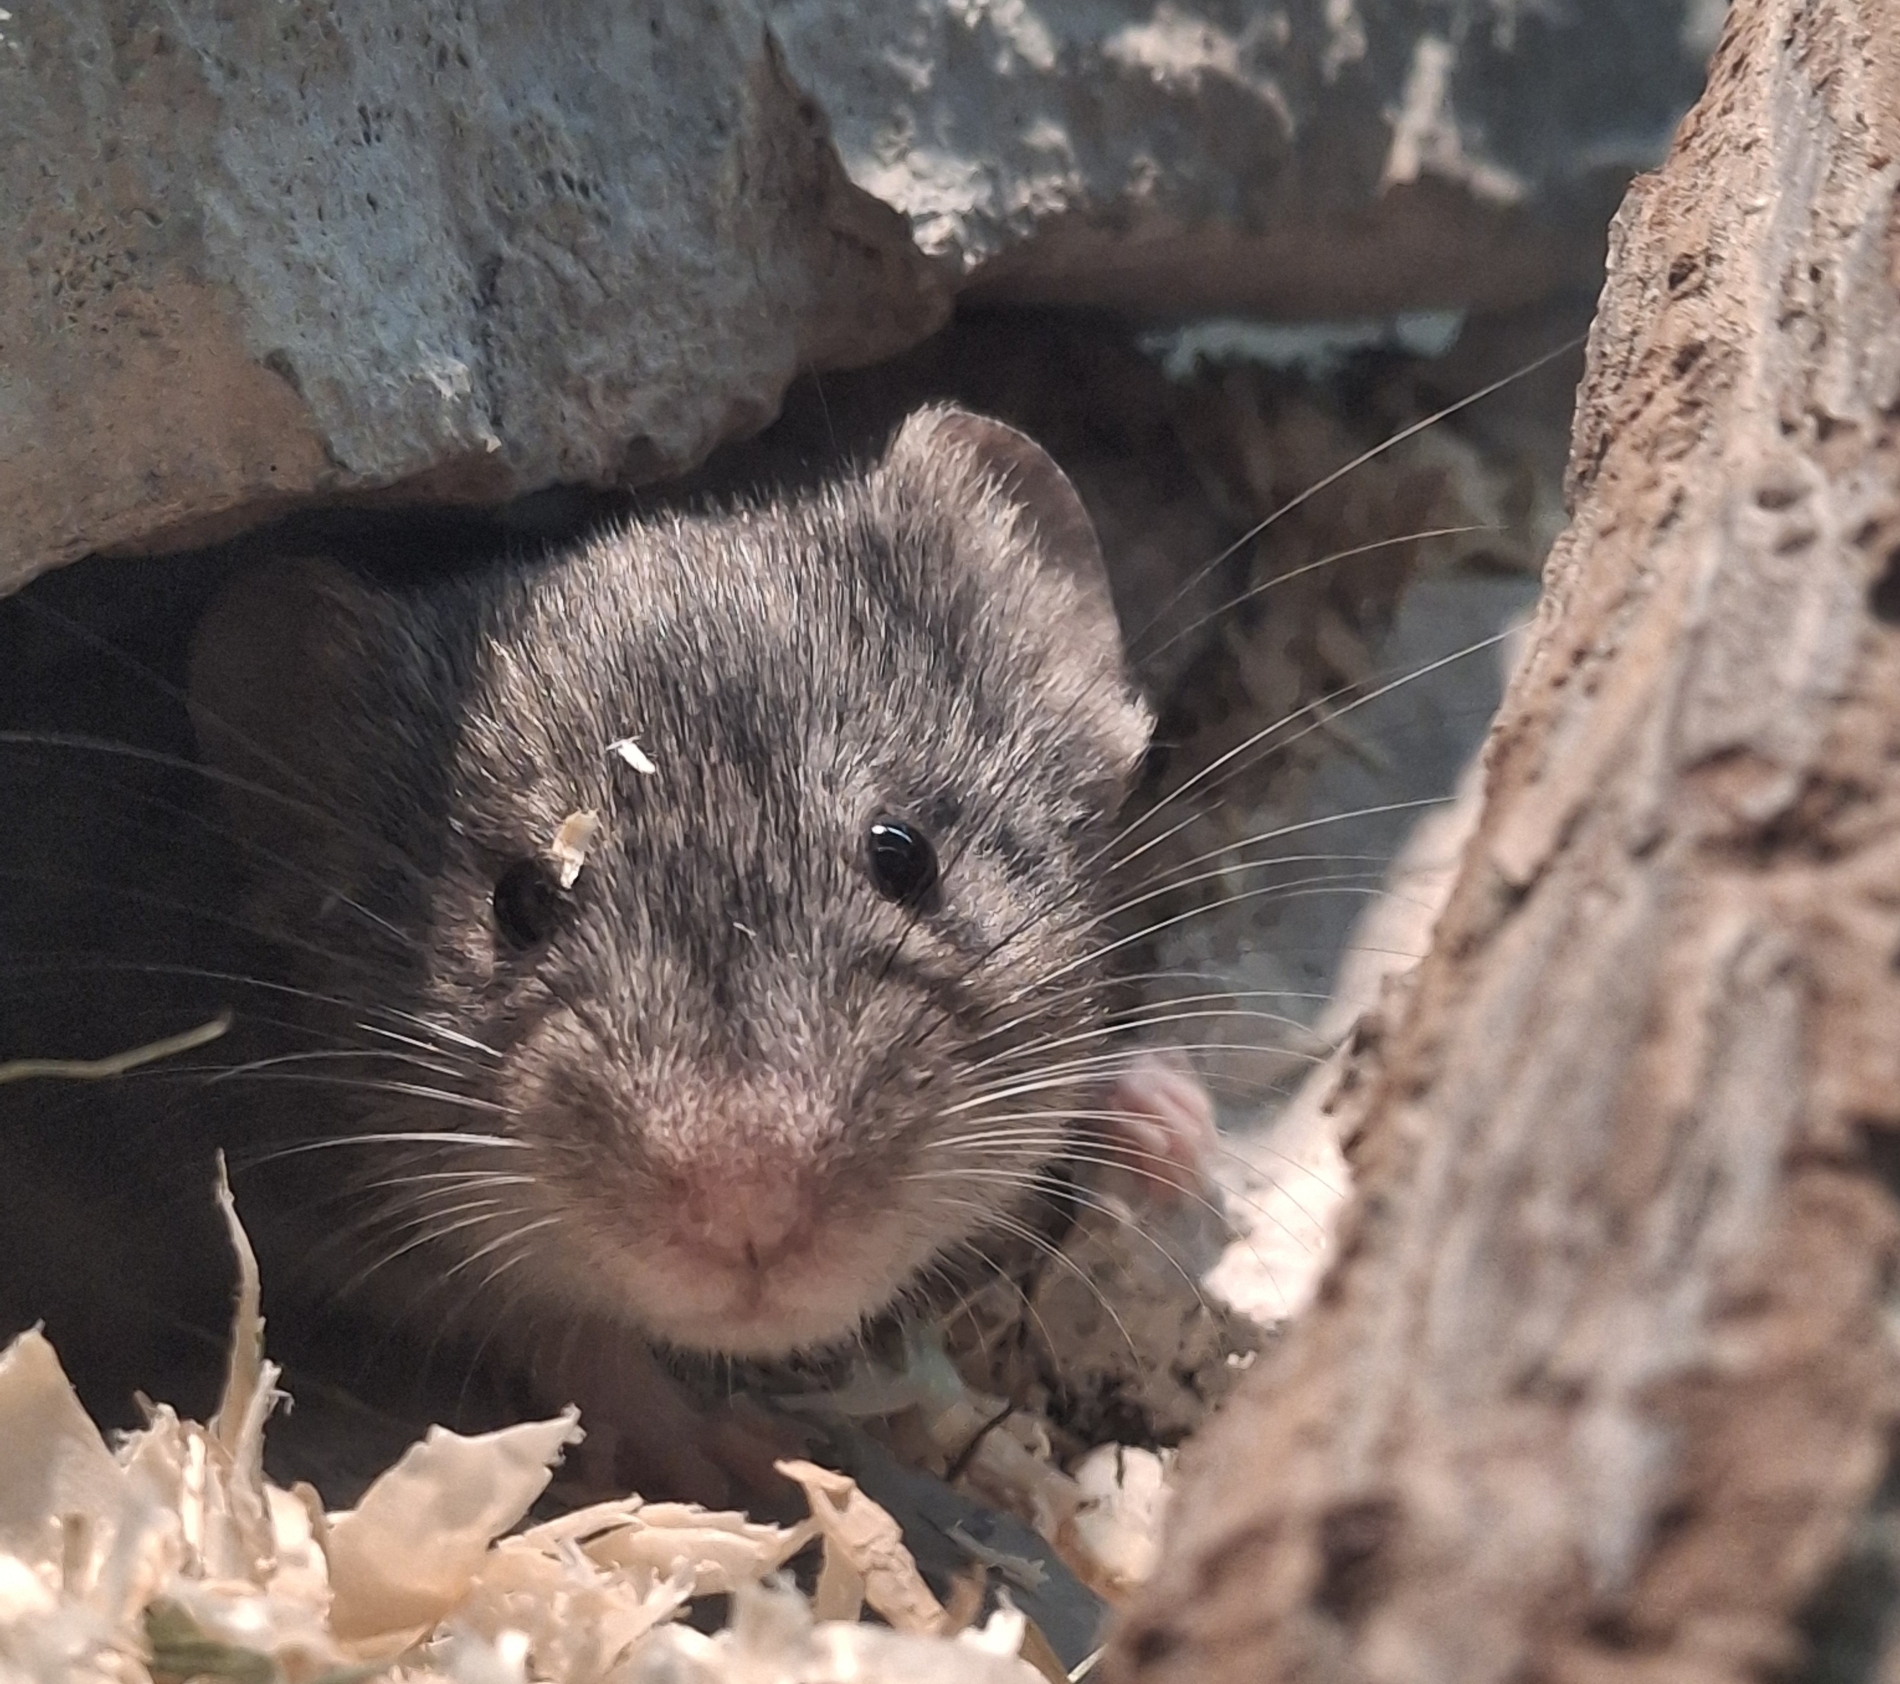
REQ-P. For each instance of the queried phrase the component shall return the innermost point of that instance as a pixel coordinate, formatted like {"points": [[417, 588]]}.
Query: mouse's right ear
{"points": [[262, 661]]}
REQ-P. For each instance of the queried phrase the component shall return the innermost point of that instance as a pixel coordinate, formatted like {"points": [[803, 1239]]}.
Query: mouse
{"points": [[689, 939]]}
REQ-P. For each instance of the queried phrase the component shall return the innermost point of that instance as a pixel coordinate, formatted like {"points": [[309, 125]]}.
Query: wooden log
{"points": [[1607, 1378]]}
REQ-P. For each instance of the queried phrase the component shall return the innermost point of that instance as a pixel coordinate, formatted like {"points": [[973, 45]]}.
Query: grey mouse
{"points": [[669, 937]]}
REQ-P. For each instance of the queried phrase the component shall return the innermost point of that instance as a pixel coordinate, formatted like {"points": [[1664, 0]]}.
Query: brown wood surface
{"points": [[1606, 1380]]}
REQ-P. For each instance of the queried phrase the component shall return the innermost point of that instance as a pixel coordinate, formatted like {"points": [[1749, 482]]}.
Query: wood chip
{"points": [[633, 755], [568, 851]]}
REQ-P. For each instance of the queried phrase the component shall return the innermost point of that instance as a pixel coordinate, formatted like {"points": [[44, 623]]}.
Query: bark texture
{"points": [[1605, 1383]]}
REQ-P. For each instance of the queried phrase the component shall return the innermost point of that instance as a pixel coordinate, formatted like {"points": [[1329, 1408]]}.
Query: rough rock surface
{"points": [[260, 255], [1312, 158], [1604, 1385]]}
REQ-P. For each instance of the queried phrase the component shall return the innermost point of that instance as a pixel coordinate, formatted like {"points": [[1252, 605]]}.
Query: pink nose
{"points": [[747, 1223]]}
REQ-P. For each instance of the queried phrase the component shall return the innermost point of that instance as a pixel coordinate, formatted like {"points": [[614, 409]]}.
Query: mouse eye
{"points": [[902, 862], [529, 903]]}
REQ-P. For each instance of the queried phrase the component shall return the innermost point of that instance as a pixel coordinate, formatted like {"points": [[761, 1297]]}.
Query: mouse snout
{"points": [[745, 1221], [755, 1224]]}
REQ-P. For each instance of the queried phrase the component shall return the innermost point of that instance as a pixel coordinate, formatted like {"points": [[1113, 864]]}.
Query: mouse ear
{"points": [[943, 448], [257, 682], [1026, 475]]}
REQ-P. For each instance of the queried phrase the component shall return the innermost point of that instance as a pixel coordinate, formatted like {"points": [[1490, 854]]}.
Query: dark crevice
{"points": [[1883, 597], [1852, 1623]]}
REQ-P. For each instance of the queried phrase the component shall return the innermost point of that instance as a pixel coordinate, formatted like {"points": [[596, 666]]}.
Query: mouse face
{"points": [[731, 879]]}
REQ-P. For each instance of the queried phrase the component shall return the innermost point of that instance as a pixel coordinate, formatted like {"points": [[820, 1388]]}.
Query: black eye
{"points": [[902, 862], [529, 903]]}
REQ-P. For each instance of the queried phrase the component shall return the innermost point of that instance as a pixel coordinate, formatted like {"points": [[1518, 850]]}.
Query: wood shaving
{"points": [[1114, 1536], [865, 1556], [774, 1639], [568, 850], [115, 1064], [633, 755], [1019, 1570], [171, 1557]]}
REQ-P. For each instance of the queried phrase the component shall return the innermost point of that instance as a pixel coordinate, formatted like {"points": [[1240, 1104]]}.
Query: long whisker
{"points": [[1177, 875], [1291, 574], [1004, 1223], [1125, 1026], [455, 1040], [1292, 829], [1277, 891], [515, 1238], [321, 1055], [139, 967], [200, 821], [393, 1137], [1049, 1003], [1359, 461], [1122, 1156], [501, 1316], [80, 742], [86, 635], [1167, 889], [965, 1302], [1221, 767], [1144, 1016], [408, 1090], [487, 1210], [170, 903], [1063, 1075], [1072, 1154], [1088, 985], [423, 1056], [1088, 1200], [471, 1177], [1059, 1136]]}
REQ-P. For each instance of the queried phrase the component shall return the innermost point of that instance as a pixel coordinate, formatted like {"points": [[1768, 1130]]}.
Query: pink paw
{"points": [[649, 1433], [1158, 1122]]}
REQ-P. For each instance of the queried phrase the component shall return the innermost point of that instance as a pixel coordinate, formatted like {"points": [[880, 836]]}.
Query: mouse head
{"points": [[737, 871]]}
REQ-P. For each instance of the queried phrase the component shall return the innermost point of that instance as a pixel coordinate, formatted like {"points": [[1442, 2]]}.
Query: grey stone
{"points": [[1315, 158], [261, 255], [264, 253]]}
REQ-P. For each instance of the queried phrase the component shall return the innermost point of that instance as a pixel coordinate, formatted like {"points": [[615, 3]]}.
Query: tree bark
{"points": [[1606, 1380]]}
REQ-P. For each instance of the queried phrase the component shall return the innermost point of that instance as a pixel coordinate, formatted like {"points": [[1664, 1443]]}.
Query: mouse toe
{"points": [[1158, 1122]]}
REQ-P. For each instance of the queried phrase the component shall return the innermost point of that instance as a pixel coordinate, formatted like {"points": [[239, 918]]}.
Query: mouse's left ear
{"points": [[1025, 476], [945, 453]]}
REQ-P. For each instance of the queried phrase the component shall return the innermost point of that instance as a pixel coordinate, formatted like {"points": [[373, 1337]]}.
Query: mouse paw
{"points": [[1158, 1123], [646, 1432]]}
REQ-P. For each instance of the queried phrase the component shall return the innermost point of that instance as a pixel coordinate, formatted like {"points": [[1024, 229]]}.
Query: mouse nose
{"points": [[747, 1222]]}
